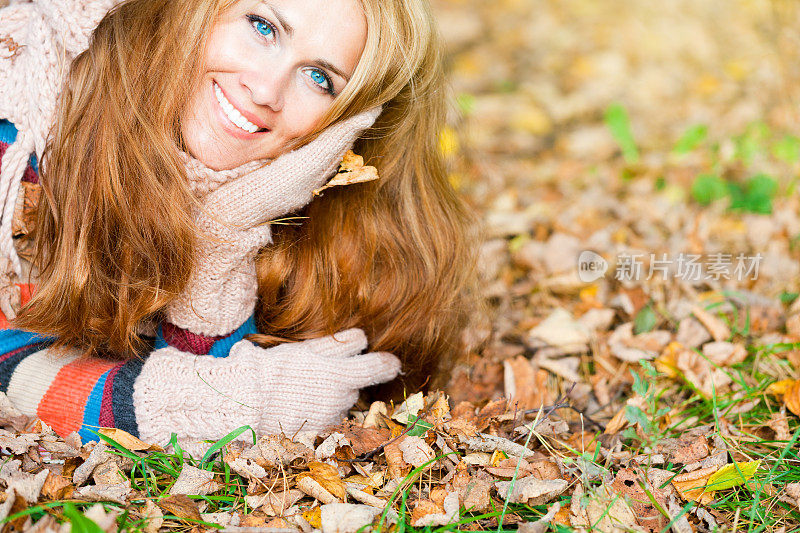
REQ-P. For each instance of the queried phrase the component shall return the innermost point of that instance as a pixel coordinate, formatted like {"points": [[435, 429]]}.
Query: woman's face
{"points": [[272, 70]]}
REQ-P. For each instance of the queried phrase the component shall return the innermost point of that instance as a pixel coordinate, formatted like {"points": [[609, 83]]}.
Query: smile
{"points": [[233, 114]]}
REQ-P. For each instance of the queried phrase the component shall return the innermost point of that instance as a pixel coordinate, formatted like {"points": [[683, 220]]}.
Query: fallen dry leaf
{"points": [[346, 517], [531, 490], [416, 451], [181, 506], [153, 517], [195, 481], [692, 485], [351, 170], [128, 441], [307, 484], [274, 503]]}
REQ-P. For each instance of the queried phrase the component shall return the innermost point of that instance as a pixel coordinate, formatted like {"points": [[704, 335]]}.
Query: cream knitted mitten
{"points": [[308, 385], [234, 225]]}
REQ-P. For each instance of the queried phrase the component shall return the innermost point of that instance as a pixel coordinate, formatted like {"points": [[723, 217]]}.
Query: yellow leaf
{"points": [[792, 398], [730, 476], [314, 517], [328, 476], [780, 387], [692, 485], [128, 441], [448, 141], [351, 170]]}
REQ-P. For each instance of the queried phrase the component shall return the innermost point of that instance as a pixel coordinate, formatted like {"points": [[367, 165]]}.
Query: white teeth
{"points": [[232, 113]]}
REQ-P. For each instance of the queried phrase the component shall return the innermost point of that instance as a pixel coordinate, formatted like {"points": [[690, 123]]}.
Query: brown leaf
{"points": [[193, 480], [56, 487], [181, 506], [779, 423], [153, 517], [352, 170], [792, 398], [630, 484], [363, 439], [692, 485], [128, 441], [531, 490], [423, 508], [274, 503], [416, 451], [491, 410], [310, 486], [328, 476], [692, 451], [719, 331], [525, 386], [272, 451], [398, 468]]}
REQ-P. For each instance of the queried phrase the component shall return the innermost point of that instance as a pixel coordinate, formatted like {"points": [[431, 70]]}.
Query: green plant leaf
{"points": [[787, 149], [708, 188], [420, 428], [80, 523], [732, 475], [690, 139], [619, 124], [645, 320], [634, 415], [222, 442], [755, 196]]}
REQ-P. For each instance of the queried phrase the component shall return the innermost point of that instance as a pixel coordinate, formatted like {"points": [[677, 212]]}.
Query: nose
{"points": [[266, 86]]}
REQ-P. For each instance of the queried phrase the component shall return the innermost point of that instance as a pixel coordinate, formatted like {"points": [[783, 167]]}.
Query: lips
{"points": [[244, 121]]}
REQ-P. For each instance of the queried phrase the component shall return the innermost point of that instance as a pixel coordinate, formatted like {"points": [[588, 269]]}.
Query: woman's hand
{"points": [[312, 384], [308, 385], [233, 225]]}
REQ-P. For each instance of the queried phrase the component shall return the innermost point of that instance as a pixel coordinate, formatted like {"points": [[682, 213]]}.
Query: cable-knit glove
{"points": [[308, 385], [234, 225]]}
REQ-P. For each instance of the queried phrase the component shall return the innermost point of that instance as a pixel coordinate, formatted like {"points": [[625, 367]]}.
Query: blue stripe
{"points": [[91, 412], [222, 347], [8, 134], [11, 339]]}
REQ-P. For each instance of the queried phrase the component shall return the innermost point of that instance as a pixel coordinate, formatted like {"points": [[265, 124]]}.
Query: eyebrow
{"points": [[290, 31]]}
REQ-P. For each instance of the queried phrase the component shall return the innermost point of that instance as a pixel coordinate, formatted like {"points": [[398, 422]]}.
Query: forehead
{"points": [[328, 29]]}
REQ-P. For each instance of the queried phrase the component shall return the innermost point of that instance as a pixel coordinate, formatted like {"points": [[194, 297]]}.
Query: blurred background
{"points": [[623, 127]]}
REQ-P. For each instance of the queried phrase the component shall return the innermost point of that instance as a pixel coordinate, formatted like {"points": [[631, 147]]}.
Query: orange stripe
{"points": [[64, 402], [26, 291]]}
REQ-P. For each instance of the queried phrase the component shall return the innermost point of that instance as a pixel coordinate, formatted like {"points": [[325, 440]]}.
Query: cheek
{"points": [[304, 114]]}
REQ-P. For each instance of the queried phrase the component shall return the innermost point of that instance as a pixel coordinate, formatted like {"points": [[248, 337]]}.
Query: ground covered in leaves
{"points": [[636, 365]]}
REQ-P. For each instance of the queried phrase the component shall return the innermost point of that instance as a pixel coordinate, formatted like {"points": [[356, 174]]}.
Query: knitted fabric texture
{"points": [[71, 393], [38, 40]]}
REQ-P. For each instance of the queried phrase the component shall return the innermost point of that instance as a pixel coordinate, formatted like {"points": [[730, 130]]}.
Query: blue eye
{"points": [[322, 80], [318, 77], [264, 28]]}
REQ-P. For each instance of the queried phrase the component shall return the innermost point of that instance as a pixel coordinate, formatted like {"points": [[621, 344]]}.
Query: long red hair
{"points": [[114, 243]]}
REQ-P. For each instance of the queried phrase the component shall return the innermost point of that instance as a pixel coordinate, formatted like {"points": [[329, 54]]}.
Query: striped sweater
{"points": [[71, 393]]}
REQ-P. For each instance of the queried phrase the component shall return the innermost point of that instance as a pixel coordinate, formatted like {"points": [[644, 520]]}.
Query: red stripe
{"points": [[107, 407], [64, 402]]}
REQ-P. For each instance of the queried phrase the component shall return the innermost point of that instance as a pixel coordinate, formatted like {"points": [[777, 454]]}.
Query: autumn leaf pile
{"points": [[628, 129]]}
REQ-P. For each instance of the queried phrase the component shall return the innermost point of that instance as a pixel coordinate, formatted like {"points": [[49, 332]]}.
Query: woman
{"points": [[132, 231]]}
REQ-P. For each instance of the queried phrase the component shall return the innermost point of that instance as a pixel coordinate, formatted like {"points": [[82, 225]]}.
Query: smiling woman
{"points": [[165, 300], [271, 72]]}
